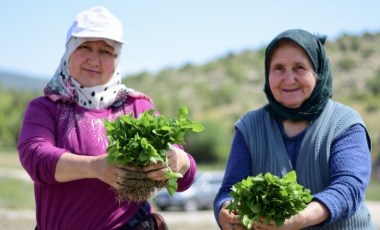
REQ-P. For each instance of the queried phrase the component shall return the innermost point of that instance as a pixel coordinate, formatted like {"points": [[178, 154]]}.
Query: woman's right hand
{"points": [[229, 221], [118, 176], [75, 167]]}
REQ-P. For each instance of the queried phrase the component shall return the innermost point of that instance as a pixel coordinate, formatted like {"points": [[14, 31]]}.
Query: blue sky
{"points": [[169, 33]]}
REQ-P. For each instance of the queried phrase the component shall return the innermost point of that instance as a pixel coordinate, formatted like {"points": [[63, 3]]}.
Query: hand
{"points": [[132, 178], [314, 213], [178, 161], [118, 176], [289, 224], [229, 221], [259, 224], [75, 167]]}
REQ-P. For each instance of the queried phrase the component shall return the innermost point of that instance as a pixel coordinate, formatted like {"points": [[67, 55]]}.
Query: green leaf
{"points": [[279, 221], [290, 177], [171, 187], [283, 194], [183, 112], [247, 222], [268, 195], [144, 140], [172, 181], [197, 127], [256, 208]]}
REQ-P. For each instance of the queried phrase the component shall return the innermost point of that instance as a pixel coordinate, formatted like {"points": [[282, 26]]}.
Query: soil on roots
{"points": [[142, 191]]}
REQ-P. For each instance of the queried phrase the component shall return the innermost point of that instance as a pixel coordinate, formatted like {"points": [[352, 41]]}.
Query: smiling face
{"points": [[92, 63], [291, 75]]}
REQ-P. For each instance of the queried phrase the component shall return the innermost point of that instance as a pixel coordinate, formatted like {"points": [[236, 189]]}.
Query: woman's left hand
{"points": [[289, 224], [314, 213], [178, 161]]}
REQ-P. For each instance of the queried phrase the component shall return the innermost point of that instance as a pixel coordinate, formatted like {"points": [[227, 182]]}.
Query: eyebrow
{"points": [[275, 65]]}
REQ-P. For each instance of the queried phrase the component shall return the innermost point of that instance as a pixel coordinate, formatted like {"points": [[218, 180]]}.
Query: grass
{"points": [[16, 194], [373, 190], [9, 159]]}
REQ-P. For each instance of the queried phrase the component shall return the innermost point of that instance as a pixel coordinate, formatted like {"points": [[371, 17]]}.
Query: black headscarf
{"points": [[314, 105]]}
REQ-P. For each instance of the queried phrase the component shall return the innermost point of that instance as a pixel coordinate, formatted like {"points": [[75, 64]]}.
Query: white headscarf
{"points": [[63, 87]]}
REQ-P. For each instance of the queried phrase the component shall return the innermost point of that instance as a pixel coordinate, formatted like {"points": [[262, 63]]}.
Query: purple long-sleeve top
{"points": [[52, 128]]}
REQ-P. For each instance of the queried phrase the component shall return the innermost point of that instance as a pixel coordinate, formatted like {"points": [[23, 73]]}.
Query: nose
{"points": [[289, 77], [93, 59]]}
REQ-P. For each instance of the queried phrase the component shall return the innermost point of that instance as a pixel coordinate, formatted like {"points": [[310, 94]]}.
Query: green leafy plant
{"points": [[144, 140], [268, 196]]}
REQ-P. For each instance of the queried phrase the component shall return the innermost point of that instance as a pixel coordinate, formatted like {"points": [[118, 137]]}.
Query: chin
{"points": [[292, 106]]}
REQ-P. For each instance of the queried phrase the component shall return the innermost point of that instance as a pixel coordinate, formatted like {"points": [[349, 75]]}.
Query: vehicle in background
{"points": [[200, 195]]}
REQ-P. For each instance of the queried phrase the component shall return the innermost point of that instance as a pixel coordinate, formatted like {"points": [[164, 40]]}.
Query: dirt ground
{"points": [[24, 219]]}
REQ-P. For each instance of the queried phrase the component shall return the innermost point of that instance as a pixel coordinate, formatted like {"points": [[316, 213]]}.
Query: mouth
{"points": [[91, 71], [290, 90]]}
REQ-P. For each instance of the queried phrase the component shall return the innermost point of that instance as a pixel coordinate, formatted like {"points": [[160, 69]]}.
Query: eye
{"points": [[277, 68], [84, 47], [107, 52], [299, 68], [302, 67]]}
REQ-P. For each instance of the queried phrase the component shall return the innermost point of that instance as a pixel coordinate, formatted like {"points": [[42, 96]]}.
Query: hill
{"points": [[20, 82], [218, 92]]}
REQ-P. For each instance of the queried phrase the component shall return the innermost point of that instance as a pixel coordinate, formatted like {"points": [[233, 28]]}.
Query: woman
{"points": [[302, 129], [63, 144]]}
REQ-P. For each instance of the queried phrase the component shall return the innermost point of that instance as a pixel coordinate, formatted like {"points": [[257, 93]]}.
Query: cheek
{"points": [[74, 63], [109, 67], [273, 83], [311, 84], [71, 67]]}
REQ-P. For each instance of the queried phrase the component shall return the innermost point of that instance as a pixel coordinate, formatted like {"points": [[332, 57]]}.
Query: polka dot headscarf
{"points": [[63, 87]]}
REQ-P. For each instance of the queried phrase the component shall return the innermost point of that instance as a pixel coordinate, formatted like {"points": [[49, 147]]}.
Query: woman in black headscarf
{"points": [[302, 129]]}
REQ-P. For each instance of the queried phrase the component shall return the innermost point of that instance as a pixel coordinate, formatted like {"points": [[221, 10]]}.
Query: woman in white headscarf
{"points": [[63, 144]]}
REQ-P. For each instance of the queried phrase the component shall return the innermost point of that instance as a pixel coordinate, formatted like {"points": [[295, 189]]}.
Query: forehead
{"points": [[101, 43], [285, 44], [289, 45]]}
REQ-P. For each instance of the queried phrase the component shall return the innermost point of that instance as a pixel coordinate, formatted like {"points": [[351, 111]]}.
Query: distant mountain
{"points": [[10, 80]]}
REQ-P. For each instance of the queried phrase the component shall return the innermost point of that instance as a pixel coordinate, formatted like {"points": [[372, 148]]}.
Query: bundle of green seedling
{"points": [[145, 140], [268, 196]]}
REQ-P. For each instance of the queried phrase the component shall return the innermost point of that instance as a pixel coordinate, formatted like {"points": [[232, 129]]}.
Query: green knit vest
{"points": [[268, 152]]}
